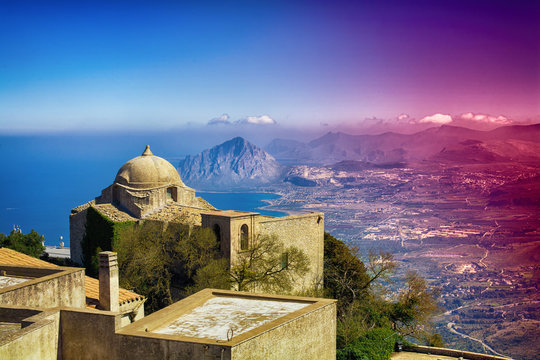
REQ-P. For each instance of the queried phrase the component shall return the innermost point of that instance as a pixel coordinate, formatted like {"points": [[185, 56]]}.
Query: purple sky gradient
{"points": [[165, 64]]}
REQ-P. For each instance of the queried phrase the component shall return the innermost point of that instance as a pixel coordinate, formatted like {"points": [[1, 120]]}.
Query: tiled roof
{"points": [[171, 212], [113, 213], [12, 257], [91, 285]]}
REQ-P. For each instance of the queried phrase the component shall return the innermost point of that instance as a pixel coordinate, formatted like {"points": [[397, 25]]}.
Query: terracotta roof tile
{"points": [[91, 287], [12, 257]]}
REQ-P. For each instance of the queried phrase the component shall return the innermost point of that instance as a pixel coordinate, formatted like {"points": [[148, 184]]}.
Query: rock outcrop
{"points": [[235, 163]]}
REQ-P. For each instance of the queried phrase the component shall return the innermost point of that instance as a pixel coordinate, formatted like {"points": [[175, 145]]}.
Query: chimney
{"points": [[108, 281]]}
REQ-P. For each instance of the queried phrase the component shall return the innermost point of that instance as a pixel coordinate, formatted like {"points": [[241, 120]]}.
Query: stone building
{"points": [[149, 188], [45, 314], [145, 184], [86, 292]]}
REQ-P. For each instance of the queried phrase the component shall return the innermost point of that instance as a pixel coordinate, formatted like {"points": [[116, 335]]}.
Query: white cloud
{"points": [[484, 118], [258, 120], [437, 119], [223, 119], [403, 117]]}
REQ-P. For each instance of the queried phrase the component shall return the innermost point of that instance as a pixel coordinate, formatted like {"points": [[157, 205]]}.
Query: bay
{"points": [[245, 201]]}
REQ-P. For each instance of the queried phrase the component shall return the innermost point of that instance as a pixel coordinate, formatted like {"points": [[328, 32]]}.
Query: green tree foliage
{"points": [[101, 234], [30, 244], [375, 344], [268, 266], [345, 276], [415, 306], [364, 306], [154, 258]]}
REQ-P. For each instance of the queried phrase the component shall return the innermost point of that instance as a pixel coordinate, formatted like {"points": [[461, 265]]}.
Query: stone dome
{"points": [[148, 171]]}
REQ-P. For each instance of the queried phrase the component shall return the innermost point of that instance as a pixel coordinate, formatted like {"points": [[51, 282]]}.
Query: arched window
{"points": [[171, 194], [244, 237], [217, 231]]}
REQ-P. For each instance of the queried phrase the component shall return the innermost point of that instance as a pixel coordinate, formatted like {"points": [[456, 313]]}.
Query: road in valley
{"points": [[450, 326]]}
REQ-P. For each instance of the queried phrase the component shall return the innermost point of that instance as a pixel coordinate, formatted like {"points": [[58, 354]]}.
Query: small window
{"points": [[171, 194], [284, 260], [244, 237]]}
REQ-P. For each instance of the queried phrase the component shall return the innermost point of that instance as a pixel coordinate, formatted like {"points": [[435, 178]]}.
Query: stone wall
{"points": [[453, 353], [224, 231], [36, 339], [311, 336], [77, 228], [155, 346], [306, 232], [89, 334], [236, 224], [50, 287], [141, 202]]}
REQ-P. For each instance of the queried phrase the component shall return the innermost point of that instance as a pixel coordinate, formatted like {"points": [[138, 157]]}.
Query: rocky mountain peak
{"points": [[234, 163]]}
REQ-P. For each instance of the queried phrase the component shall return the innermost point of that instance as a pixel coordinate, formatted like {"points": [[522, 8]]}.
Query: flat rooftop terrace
{"points": [[223, 317]]}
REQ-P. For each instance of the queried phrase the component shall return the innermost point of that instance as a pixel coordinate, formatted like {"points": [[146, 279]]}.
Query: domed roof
{"points": [[148, 171]]}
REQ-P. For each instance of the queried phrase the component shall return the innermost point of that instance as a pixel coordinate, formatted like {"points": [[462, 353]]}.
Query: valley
{"points": [[461, 207], [472, 230]]}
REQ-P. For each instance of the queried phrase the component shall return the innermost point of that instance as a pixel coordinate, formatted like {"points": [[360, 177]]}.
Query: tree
{"points": [[346, 278], [381, 266], [268, 266], [30, 244], [363, 303], [415, 306], [168, 261]]}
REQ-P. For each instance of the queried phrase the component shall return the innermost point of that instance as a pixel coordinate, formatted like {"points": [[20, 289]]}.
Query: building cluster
{"points": [[53, 312]]}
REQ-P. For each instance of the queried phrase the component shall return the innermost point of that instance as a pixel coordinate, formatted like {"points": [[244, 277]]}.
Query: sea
{"points": [[44, 176]]}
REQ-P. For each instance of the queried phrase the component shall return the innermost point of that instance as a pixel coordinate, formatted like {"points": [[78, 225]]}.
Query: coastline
{"points": [[246, 201]]}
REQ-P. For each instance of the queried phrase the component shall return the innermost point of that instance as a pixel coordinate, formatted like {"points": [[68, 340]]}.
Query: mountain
{"points": [[285, 151], [235, 163], [438, 143]]}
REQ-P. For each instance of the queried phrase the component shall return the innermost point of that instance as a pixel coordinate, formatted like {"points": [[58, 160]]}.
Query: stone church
{"points": [[148, 187]]}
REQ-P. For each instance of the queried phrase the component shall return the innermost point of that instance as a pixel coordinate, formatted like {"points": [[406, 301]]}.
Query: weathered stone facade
{"points": [[45, 287], [73, 332], [38, 339], [305, 232], [308, 333]]}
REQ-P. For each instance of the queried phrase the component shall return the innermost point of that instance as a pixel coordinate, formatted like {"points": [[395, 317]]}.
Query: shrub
{"points": [[375, 344]]}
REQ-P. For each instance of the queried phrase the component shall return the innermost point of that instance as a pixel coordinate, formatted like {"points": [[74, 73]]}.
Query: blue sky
{"points": [[170, 64]]}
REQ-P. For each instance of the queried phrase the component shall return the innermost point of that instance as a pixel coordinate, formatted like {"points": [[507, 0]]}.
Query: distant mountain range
{"points": [[238, 163], [445, 143], [235, 163]]}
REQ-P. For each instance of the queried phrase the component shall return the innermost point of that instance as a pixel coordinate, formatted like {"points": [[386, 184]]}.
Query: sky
{"points": [[165, 65]]}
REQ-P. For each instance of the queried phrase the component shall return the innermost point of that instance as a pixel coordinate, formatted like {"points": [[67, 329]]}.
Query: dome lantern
{"points": [[147, 151]]}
